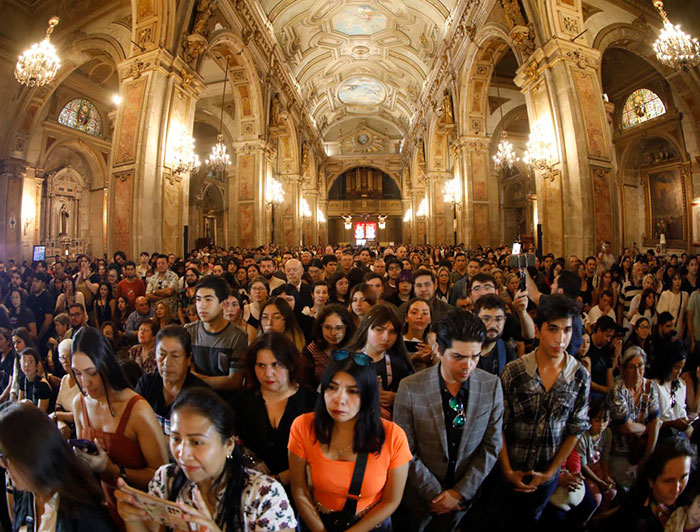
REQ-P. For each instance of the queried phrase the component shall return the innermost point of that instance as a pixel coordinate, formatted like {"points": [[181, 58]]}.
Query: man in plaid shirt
{"points": [[546, 410]]}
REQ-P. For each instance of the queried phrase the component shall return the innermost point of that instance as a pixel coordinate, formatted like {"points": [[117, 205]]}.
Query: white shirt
{"points": [[667, 411]]}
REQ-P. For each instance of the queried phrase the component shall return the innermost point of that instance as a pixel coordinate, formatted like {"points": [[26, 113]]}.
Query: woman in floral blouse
{"points": [[208, 479]]}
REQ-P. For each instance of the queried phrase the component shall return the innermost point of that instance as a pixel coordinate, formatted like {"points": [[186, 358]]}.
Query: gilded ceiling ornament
{"points": [[524, 38], [514, 17], [205, 8]]}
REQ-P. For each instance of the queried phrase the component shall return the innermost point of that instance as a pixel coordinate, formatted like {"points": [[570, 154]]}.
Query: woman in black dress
{"points": [[272, 401]]}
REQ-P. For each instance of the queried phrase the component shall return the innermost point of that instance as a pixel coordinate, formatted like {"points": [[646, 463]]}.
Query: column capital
{"points": [[470, 143]]}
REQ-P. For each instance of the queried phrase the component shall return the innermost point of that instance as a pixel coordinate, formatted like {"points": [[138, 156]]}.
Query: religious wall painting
{"points": [[246, 224], [246, 171], [481, 222], [171, 216], [129, 129], [695, 222], [123, 191], [666, 211], [479, 177], [244, 94], [359, 20], [602, 204], [589, 100], [362, 90]]}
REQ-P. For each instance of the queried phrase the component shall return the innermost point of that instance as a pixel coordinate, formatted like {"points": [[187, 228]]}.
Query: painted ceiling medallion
{"points": [[361, 90], [359, 20]]}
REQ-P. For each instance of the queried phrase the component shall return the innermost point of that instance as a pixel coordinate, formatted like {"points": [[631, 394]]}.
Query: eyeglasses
{"points": [[274, 317], [358, 358], [460, 419], [493, 319], [336, 329]]}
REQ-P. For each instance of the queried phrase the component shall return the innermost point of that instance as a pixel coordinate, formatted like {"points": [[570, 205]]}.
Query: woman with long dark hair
{"points": [[108, 412], [104, 306], [273, 400], [50, 481], [20, 314], [333, 328], [380, 337], [344, 432], [277, 316], [208, 479], [339, 286], [666, 371]]}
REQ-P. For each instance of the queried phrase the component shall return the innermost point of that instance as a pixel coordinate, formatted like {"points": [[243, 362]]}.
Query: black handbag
{"points": [[346, 518]]}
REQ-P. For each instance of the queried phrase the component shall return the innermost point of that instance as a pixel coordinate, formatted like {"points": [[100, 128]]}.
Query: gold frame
{"points": [[679, 170]]}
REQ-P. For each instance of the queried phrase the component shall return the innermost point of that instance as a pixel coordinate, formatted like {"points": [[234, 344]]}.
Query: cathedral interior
{"points": [[344, 121]]}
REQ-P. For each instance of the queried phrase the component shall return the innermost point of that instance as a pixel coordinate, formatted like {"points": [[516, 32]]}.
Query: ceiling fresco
{"points": [[362, 59]]}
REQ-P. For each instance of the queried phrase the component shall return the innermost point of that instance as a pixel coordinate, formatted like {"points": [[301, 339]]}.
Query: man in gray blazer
{"points": [[452, 414]]}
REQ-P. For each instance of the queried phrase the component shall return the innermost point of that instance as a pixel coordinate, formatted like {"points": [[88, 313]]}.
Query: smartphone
{"points": [[523, 281], [516, 248], [411, 346], [161, 511], [84, 445]]}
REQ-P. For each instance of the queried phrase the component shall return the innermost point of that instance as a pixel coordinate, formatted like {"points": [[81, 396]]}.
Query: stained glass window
{"points": [[642, 105], [82, 115]]}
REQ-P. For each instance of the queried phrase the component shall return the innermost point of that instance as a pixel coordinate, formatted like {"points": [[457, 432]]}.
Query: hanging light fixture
{"points": [[38, 65], [304, 207], [422, 208], [409, 215], [275, 191], [505, 155], [540, 150], [183, 159], [347, 221], [450, 191], [219, 158], [382, 221], [674, 47], [320, 216]]}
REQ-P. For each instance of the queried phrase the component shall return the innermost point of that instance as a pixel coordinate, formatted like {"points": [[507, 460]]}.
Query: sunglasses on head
{"points": [[358, 358], [457, 406]]}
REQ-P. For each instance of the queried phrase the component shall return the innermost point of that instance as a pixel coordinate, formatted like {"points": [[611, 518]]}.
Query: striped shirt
{"points": [[536, 421], [629, 290]]}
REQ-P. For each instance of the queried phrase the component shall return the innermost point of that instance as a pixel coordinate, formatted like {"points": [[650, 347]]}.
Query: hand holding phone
{"points": [[84, 445]]}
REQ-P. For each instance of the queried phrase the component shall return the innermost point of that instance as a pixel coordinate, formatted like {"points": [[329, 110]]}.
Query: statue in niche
{"points": [[447, 116], [514, 17], [205, 8], [275, 119], [63, 220], [304, 158]]}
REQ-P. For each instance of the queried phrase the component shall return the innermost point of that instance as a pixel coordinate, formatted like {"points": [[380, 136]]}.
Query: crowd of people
{"points": [[345, 388]]}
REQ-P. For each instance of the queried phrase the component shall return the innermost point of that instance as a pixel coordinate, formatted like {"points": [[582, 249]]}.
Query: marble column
{"points": [[12, 172], [564, 98], [247, 194], [148, 199]]}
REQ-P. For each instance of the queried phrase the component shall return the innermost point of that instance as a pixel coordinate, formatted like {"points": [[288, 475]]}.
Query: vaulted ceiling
{"points": [[360, 60]]}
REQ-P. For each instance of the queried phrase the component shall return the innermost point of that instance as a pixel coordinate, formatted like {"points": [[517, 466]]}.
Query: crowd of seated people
{"points": [[422, 388]]}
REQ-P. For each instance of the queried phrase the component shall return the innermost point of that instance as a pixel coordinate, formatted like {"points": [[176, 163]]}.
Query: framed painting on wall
{"points": [[695, 223], [666, 205]]}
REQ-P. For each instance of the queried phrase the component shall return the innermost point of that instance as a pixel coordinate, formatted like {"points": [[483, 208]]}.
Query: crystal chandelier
{"points": [[38, 65], [275, 191], [423, 208], [505, 156], [183, 159], [540, 150], [450, 191], [347, 221], [382, 221], [304, 207], [219, 158], [675, 48], [320, 216], [409, 215]]}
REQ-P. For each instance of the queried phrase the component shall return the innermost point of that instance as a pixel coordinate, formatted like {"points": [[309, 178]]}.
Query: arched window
{"points": [[82, 115], [642, 105]]}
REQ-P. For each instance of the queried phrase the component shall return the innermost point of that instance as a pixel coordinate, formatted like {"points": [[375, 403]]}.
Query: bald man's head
{"points": [[141, 305], [293, 270]]}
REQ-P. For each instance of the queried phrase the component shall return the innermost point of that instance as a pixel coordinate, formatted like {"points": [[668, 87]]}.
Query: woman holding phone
{"points": [[208, 479]]}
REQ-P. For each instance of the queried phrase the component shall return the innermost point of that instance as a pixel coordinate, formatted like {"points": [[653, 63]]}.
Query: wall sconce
{"points": [[28, 212]]}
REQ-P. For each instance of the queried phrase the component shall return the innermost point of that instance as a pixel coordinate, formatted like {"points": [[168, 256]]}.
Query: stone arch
{"points": [[248, 95], [25, 135]]}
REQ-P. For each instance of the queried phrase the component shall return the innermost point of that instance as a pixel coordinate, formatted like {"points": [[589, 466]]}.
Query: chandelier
{"points": [[183, 159], [382, 221], [305, 210], [219, 158], [409, 215], [675, 48], [540, 150], [450, 191], [320, 216], [505, 156], [423, 208], [347, 221], [275, 191], [38, 65]]}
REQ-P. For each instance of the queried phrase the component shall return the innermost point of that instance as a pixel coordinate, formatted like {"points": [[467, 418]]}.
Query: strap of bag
{"points": [[358, 475], [501, 352]]}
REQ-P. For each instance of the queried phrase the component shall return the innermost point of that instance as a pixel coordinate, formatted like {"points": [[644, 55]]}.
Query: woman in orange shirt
{"points": [[344, 425]]}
